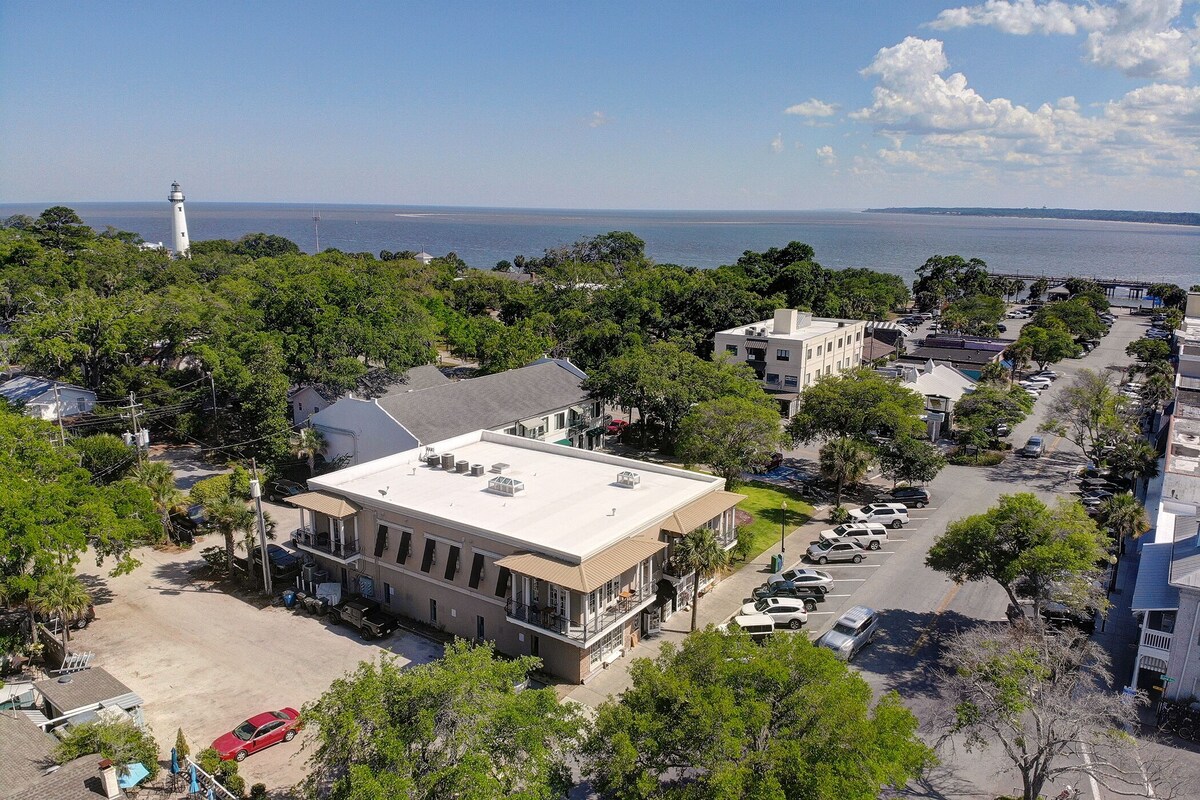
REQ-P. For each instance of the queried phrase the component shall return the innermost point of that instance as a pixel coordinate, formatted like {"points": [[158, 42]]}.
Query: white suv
{"points": [[870, 535], [894, 515], [786, 612]]}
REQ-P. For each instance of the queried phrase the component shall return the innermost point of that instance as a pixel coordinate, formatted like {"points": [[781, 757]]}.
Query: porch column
{"points": [[356, 548], [341, 535]]}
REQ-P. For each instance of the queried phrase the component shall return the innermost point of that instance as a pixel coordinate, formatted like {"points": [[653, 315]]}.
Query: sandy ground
{"points": [[204, 658]]}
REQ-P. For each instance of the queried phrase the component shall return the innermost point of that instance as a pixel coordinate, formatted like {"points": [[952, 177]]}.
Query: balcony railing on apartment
{"points": [[323, 543], [549, 619], [1157, 640]]}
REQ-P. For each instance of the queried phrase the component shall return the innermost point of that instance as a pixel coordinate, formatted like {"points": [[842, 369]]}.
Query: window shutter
{"points": [[502, 579], [405, 546], [381, 540], [427, 558], [476, 571], [452, 563]]}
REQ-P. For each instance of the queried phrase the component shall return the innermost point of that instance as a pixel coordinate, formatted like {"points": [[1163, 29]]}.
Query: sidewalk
{"points": [[717, 605]]}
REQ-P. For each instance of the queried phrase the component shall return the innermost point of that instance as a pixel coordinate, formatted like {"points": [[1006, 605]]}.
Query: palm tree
{"points": [[250, 540], [61, 594], [158, 478], [1125, 516], [307, 444], [844, 460], [1135, 459], [700, 553], [230, 516]]}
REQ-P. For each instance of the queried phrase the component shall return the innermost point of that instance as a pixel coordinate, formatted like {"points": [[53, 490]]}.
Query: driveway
{"points": [[204, 658]]}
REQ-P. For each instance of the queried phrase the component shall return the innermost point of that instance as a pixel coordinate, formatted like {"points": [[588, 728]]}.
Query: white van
{"points": [[759, 626]]}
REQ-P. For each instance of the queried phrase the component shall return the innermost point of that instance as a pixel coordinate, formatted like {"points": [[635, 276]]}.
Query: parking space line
{"points": [[848, 580], [853, 566], [839, 595]]}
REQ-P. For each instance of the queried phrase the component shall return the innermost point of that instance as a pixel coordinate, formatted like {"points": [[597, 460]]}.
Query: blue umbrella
{"points": [[195, 787], [210, 794], [174, 762]]}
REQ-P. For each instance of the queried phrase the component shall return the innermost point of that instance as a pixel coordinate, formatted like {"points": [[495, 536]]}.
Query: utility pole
{"points": [[58, 411], [256, 493], [137, 431], [212, 384]]}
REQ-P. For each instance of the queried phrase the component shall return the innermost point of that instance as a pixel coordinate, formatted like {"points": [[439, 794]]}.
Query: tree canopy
{"points": [[1090, 414], [730, 434], [1047, 345], [860, 403], [722, 716], [458, 727]]}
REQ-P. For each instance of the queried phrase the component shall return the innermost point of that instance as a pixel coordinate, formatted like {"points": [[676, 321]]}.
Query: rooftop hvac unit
{"points": [[476, 470], [628, 479], [447, 461], [462, 466], [499, 468]]}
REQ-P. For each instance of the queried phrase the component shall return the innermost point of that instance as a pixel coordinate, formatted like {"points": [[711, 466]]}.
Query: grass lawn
{"points": [[763, 501]]}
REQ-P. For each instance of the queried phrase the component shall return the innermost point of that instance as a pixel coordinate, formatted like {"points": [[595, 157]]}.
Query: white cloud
{"points": [[777, 143], [937, 123], [826, 156], [812, 108], [598, 119], [1138, 37]]}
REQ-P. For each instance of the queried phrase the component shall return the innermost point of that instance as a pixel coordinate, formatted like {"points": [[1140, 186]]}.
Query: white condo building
{"points": [[792, 350]]}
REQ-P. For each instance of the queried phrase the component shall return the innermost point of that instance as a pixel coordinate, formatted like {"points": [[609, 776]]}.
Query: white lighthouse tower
{"points": [[179, 235]]}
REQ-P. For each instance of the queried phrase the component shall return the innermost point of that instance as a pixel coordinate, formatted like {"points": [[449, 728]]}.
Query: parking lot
{"points": [[204, 658]]}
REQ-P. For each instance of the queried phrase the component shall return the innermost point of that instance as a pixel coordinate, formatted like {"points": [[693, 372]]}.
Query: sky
{"points": [[617, 105]]}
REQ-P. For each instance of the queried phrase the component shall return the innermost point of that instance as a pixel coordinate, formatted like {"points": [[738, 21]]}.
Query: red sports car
{"points": [[258, 733]]}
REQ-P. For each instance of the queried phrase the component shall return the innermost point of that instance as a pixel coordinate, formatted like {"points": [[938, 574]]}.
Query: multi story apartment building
{"points": [[551, 551], [792, 350], [1166, 597]]}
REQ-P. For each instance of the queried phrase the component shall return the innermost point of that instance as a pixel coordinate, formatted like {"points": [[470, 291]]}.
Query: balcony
{"points": [[547, 619], [1156, 640], [323, 545]]}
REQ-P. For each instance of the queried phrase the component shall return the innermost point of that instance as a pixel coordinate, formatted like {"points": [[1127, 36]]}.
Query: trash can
{"points": [[289, 598], [777, 562]]}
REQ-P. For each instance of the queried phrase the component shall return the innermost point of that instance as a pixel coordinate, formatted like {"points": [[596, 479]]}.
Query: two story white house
{"points": [[46, 399], [792, 350]]}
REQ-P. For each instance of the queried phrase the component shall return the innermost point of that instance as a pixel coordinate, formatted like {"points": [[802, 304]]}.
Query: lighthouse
{"points": [[179, 235]]}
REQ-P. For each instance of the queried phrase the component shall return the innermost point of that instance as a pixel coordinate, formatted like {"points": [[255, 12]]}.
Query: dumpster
{"points": [[289, 598]]}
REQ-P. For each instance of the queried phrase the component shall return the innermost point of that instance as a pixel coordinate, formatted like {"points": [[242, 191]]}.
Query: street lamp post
{"points": [[782, 526]]}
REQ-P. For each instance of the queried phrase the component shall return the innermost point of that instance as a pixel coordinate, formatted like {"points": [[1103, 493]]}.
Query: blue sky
{"points": [[772, 105]]}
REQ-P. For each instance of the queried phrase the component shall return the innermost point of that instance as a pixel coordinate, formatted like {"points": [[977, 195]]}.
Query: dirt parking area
{"points": [[205, 659]]}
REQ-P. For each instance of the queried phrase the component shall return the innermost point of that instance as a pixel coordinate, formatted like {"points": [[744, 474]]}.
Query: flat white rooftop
{"points": [[819, 326], [571, 507]]}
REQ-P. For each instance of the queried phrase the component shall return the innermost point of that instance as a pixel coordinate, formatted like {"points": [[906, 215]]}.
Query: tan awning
{"points": [[688, 518], [327, 504], [593, 572]]}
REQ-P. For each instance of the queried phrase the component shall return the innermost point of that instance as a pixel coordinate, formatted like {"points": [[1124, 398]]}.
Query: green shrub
{"points": [[258, 791], [217, 558], [988, 458], [181, 746], [839, 514], [234, 783], [745, 543], [120, 741]]}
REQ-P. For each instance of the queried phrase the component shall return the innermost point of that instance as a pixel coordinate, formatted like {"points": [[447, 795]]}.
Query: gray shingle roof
{"points": [[85, 688], [489, 402], [25, 752], [380, 383], [952, 354], [75, 780]]}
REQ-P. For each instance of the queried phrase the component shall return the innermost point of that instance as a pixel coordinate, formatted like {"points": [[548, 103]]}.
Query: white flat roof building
{"points": [[570, 504]]}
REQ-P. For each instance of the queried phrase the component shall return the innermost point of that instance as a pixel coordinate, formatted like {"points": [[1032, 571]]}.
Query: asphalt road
{"points": [[919, 608]]}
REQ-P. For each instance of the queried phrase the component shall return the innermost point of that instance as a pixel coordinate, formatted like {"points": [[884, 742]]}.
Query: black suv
{"points": [[1060, 616], [910, 496], [278, 491]]}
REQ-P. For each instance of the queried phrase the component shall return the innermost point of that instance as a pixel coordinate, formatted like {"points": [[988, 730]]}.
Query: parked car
{"points": [[758, 627], [616, 426], [910, 496], [1046, 373], [185, 525], [1000, 429], [853, 631], [894, 515], [1061, 616], [258, 733], [785, 612], [365, 615], [1034, 393], [1034, 447], [1041, 384], [789, 590], [868, 535], [774, 462], [280, 490], [837, 550], [806, 578], [75, 621]]}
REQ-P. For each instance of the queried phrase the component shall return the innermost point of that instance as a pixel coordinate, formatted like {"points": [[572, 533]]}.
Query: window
{"points": [[808, 354], [432, 610], [790, 382], [858, 336], [560, 420], [772, 377], [299, 406], [827, 370], [818, 349], [839, 342], [479, 627], [511, 431], [388, 593], [783, 355], [807, 378], [731, 349]]}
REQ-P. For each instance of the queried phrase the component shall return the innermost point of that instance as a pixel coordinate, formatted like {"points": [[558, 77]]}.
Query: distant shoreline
{"points": [[1099, 215]]}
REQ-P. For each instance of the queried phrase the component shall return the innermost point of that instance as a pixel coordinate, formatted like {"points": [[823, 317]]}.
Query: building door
{"points": [[432, 610], [535, 646]]}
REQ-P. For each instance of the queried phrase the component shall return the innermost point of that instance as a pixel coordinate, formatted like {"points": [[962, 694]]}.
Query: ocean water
{"points": [[896, 243]]}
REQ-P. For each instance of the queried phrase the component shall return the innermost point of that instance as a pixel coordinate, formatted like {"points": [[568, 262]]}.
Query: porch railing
{"points": [[549, 618], [324, 543], [1157, 640]]}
